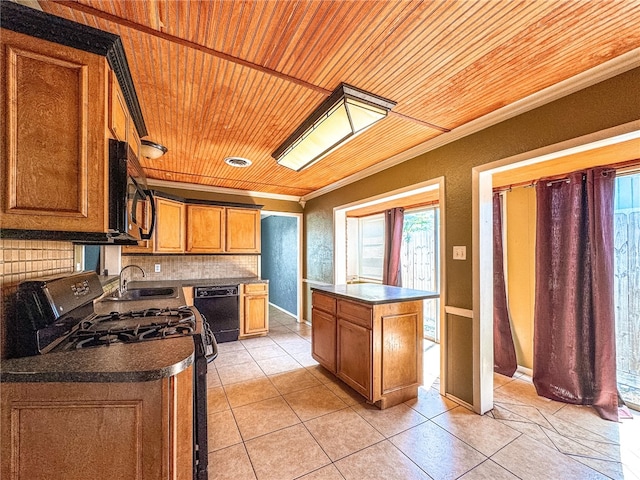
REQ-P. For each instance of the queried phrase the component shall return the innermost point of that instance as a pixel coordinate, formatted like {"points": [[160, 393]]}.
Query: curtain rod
{"points": [[622, 169]]}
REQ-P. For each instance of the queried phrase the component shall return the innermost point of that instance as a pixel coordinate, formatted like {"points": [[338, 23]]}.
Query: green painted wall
{"points": [[610, 103]]}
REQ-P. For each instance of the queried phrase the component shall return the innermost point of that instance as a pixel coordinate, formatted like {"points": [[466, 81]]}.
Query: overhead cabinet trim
{"points": [[59, 30]]}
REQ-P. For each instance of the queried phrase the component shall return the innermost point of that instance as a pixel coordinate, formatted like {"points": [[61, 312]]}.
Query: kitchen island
{"points": [[370, 336]]}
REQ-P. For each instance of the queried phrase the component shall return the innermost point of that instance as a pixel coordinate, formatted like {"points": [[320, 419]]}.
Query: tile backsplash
{"points": [[24, 259], [183, 267]]}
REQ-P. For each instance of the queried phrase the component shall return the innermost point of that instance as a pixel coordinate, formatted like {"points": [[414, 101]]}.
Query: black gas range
{"points": [[57, 313]]}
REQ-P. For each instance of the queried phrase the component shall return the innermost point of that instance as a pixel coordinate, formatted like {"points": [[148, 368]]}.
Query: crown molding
{"points": [[604, 71], [227, 191]]}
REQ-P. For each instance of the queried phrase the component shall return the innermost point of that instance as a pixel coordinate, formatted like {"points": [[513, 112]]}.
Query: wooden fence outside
{"points": [[420, 272], [627, 301]]}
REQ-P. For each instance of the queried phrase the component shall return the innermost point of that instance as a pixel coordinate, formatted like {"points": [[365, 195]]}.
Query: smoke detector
{"points": [[237, 162]]}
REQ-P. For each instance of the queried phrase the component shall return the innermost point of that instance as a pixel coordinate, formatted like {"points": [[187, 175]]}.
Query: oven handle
{"points": [[209, 339]]}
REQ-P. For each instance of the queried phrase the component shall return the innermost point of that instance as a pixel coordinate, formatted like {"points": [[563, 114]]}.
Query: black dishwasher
{"points": [[220, 309]]}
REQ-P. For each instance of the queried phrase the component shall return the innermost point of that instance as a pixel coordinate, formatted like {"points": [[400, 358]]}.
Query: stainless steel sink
{"points": [[143, 293]]}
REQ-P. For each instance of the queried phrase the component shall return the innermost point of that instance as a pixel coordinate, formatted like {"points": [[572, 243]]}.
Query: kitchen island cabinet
{"points": [[370, 336]]}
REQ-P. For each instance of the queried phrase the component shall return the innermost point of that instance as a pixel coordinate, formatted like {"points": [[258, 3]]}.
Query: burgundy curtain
{"points": [[393, 222], [574, 331], [504, 351]]}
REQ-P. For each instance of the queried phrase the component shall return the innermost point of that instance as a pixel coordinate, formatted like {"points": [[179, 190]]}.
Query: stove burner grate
{"points": [[134, 326]]}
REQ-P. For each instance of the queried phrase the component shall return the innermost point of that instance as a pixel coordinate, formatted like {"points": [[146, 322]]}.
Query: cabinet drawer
{"points": [[355, 312], [324, 302], [255, 288]]}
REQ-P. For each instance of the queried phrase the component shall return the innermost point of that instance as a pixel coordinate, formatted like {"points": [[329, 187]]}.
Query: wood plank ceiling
{"points": [[235, 78]]}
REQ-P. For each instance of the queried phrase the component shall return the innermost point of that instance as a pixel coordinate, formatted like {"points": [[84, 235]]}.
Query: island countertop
{"points": [[375, 294]]}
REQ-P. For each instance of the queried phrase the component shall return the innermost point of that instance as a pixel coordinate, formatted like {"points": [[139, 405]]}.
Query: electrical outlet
{"points": [[460, 253], [157, 268]]}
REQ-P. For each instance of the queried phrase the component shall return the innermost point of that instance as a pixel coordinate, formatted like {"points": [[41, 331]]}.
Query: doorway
{"points": [[281, 260], [601, 148]]}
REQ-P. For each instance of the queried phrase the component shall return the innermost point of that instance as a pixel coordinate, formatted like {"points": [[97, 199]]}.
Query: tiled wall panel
{"points": [[24, 259]]}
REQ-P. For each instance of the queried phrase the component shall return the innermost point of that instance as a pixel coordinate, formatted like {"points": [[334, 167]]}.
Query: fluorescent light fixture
{"points": [[346, 113], [152, 150]]}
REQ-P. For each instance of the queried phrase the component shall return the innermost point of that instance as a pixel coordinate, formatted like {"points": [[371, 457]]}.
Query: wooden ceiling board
{"points": [[545, 61], [235, 78]]}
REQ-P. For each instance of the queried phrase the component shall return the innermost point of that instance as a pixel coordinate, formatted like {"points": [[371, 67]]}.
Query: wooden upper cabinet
{"points": [[169, 236], [133, 138], [205, 229], [242, 230], [54, 148], [118, 112], [201, 229]]}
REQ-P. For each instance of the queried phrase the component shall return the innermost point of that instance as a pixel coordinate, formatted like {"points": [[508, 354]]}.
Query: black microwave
{"points": [[132, 209]]}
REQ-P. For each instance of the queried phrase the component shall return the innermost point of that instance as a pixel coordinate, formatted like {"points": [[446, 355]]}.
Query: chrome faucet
{"points": [[122, 284]]}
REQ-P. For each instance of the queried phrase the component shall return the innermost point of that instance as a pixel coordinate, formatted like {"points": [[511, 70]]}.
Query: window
{"points": [[371, 247]]}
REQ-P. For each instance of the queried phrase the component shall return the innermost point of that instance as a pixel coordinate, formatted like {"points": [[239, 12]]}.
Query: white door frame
{"points": [[483, 244]]}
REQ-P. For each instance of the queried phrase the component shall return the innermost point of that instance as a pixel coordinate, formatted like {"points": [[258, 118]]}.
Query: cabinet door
{"points": [[133, 138], [353, 364], [53, 142], [169, 234], [323, 336], [205, 229], [256, 313], [118, 112], [242, 230]]}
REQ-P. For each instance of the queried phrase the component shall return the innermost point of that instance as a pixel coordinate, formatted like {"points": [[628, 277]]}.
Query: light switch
{"points": [[460, 253]]}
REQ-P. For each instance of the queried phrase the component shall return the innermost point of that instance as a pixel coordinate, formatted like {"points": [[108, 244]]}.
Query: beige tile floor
{"points": [[274, 413]]}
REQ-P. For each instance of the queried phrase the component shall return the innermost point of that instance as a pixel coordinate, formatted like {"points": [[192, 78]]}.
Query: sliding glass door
{"points": [[627, 286]]}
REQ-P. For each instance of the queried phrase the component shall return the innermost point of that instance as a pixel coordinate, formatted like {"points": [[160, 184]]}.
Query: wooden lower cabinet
{"points": [[323, 332], [102, 431], [254, 309], [376, 349], [353, 365]]}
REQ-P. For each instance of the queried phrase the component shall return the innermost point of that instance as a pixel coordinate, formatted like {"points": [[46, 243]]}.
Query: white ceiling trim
{"points": [[151, 182], [602, 72]]}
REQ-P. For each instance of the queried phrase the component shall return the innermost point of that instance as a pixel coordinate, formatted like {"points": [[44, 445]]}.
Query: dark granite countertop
{"points": [[196, 282], [134, 362], [375, 294], [137, 362]]}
